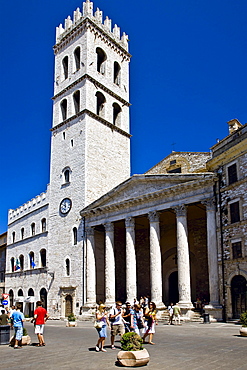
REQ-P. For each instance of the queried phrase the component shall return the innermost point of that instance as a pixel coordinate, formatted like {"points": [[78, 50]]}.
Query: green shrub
{"points": [[71, 317], [24, 331], [243, 319], [131, 342]]}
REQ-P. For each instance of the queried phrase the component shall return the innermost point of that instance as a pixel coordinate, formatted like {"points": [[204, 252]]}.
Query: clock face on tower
{"points": [[65, 206]]}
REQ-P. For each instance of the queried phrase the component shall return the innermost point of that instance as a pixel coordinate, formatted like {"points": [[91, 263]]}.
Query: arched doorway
{"points": [[30, 305], [173, 287], [239, 296], [43, 297], [68, 305], [11, 298]]}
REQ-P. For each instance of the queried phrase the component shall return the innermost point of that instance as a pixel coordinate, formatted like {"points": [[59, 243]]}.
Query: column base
{"points": [[214, 311], [183, 304]]}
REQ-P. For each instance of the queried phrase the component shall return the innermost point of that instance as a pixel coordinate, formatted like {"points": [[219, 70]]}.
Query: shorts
{"points": [[117, 329], [39, 329], [18, 332]]}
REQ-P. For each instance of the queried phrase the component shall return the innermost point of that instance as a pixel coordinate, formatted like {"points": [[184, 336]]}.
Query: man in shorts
{"points": [[40, 317], [18, 319], [117, 323]]}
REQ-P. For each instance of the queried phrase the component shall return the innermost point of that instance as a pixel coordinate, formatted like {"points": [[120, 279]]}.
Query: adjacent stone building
{"points": [[176, 233]]}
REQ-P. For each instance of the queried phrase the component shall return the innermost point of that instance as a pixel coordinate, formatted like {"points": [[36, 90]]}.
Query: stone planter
{"points": [[26, 340], [133, 358], [71, 324], [243, 331]]}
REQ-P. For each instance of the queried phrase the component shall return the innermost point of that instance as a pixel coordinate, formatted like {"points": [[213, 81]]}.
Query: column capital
{"points": [[130, 222], [210, 204], [109, 226], [153, 216], [180, 210]]}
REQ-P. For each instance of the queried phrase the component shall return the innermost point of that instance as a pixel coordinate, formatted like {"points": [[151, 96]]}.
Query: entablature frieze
{"points": [[148, 202]]}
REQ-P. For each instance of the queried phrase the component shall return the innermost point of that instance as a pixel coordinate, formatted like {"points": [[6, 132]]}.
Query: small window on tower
{"points": [[64, 109], [77, 56], [66, 175], [67, 267], [116, 114], [75, 235], [76, 98], [22, 233], [101, 58], [100, 104], [65, 64], [116, 76]]}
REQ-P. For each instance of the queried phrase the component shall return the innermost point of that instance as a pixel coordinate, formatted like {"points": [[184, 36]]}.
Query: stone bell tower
{"points": [[90, 147]]}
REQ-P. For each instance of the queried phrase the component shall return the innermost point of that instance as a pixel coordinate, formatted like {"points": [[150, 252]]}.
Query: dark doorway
{"points": [[68, 305], [173, 287], [239, 296], [43, 297]]}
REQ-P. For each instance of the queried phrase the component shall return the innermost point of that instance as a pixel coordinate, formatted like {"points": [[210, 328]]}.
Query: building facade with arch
{"points": [[176, 233]]}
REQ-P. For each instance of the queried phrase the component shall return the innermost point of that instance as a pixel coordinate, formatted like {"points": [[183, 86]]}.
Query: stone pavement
{"points": [[189, 346]]}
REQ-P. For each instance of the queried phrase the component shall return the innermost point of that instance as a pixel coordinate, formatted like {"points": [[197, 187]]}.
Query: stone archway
{"points": [[239, 295]]}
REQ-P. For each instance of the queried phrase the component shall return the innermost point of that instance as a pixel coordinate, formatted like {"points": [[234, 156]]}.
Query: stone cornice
{"points": [[95, 116], [164, 193], [96, 83], [87, 23]]}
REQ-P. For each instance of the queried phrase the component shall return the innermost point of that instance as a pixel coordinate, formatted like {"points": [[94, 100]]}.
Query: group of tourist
{"points": [[15, 318], [139, 318]]}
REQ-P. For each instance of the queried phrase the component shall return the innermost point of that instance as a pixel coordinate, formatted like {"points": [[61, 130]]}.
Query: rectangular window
{"points": [[176, 170], [232, 174], [236, 250], [234, 212]]}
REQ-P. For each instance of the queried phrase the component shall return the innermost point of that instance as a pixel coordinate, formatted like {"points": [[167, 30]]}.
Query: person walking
{"points": [[127, 317], [138, 322], [150, 322], [102, 317], [18, 319], [176, 314], [117, 323], [40, 318], [170, 310]]}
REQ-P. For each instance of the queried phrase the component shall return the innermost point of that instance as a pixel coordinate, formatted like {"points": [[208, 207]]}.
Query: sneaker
{"points": [[96, 348], [103, 350], [113, 347]]}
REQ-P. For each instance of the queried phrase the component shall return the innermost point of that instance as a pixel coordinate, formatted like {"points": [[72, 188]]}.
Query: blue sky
{"points": [[188, 78]]}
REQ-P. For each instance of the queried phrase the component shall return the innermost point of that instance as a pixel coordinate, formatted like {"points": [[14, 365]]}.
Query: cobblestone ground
{"points": [[189, 346]]}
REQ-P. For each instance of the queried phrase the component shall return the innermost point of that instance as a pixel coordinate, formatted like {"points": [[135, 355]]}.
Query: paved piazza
{"points": [[190, 346]]}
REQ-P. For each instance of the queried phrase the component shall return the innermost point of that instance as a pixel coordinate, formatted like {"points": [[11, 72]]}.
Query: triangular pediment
{"points": [[143, 185]]}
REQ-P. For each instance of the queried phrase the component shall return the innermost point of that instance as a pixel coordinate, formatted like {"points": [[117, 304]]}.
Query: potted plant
{"points": [[132, 352], [26, 339], [243, 322], [71, 320]]}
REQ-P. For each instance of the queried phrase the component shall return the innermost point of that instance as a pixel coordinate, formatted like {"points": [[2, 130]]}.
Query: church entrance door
{"points": [[239, 296], [68, 305], [173, 287]]}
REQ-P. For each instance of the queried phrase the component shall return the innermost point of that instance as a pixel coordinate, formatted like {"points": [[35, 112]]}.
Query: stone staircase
{"points": [[194, 317]]}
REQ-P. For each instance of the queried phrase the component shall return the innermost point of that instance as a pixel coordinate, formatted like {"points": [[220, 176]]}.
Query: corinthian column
{"points": [[109, 264], [130, 259], [213, 271], [155, 259], [183, 258], [90, 272]]}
